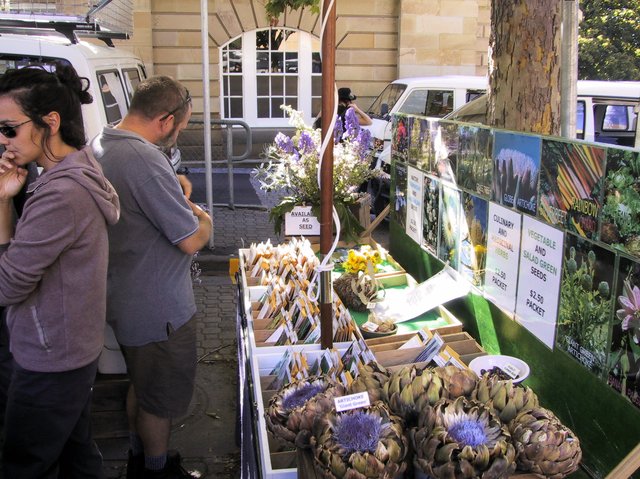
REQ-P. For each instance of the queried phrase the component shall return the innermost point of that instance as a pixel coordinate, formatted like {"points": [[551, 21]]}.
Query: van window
{"points": [[9, 61], [580, 107], [113, 95], [428, 102], [386, 101], [616, 118], [131, 81]]}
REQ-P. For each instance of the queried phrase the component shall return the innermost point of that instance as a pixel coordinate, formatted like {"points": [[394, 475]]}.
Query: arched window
{"points": [[263, 69]]}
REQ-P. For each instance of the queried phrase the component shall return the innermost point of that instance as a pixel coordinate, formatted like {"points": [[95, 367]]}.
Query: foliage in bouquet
{"points": [[293, 169]]}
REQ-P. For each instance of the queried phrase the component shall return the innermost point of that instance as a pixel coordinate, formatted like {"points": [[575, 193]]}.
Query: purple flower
{"points": [[301, 396], [351, 123], [358, 432], [306, 143], [468, 433], [284, 143], [630, 312], [364, 142]]}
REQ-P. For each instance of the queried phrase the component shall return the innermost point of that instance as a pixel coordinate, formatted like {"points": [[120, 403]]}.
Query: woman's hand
{"points": [[12, 178]]}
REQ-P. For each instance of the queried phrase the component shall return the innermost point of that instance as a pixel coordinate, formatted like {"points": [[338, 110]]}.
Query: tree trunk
{"points": [[524, 68]]}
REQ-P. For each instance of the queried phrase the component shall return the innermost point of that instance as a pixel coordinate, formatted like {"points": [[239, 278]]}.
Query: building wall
{"points": [[376, 40]]}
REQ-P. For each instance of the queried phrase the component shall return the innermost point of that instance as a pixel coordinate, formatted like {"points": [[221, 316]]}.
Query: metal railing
{"points": [[223, 148]]}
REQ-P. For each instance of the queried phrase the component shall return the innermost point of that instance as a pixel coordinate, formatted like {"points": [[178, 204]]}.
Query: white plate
{"points": [[492, 360]]}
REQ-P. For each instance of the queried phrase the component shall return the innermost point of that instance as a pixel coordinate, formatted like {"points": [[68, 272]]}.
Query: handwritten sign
{"points": [[352, 401], [301, 222], [540, 276], [503, 253]]}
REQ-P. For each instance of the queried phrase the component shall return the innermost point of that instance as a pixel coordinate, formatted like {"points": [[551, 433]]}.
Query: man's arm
{"points": [[197, 240]]}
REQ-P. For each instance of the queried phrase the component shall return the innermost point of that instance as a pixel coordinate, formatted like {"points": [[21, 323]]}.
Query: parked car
{"points": [[429, 96], [607, 112]]}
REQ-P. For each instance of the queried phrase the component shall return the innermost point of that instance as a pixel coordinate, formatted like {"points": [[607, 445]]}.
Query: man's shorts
{"points": [[163, 373]]}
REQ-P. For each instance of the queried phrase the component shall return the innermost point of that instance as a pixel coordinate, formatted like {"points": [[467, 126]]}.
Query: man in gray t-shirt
{"points": [[150, 301]]}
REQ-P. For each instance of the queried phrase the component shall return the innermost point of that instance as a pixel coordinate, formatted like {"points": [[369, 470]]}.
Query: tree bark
{"points": [[524, 67]]}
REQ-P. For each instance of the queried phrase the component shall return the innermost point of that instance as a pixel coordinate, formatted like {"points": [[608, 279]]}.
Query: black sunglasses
{"points": [[10, 131], [185, 102]]}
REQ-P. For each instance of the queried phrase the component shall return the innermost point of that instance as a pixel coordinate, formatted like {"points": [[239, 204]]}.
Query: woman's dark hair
{"points": [[38, 92]]}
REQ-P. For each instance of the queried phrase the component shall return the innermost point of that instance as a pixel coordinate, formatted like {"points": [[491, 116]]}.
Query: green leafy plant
{"points": [[275, 8], [584, 308]]}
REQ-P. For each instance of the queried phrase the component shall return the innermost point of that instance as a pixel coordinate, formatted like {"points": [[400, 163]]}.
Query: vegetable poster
{"points": [[431, 214], [571, 181], [473, 233], [475, 164], [449, 245], [585, 302], [516, 168], [623, 366], [399, 196]]}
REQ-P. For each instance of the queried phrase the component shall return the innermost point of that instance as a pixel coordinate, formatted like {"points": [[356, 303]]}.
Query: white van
{"points": [[607, 112], [430, 96], [112, 72], [113, 76]]}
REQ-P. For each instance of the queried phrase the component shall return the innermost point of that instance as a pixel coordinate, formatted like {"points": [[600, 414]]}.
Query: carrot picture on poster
{"points": [[571, 183]]}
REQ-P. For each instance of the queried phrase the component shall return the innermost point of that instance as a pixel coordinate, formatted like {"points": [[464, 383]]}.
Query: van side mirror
{"points": [[384, 109]]}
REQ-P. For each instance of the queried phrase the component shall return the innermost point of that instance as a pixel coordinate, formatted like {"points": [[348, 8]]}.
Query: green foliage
{"points": [[609, 42], [585, 308], [275, 8], [622, 205]]}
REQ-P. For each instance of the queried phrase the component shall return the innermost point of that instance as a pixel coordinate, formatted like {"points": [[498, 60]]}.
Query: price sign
{"points": [[540, 276], [503, 252]]}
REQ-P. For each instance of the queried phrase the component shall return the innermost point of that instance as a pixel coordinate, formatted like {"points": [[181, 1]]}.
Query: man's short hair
{"points": [[160, 95]]}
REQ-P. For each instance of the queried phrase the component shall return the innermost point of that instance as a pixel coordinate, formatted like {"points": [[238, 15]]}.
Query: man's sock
{"points": [[155, 463]]}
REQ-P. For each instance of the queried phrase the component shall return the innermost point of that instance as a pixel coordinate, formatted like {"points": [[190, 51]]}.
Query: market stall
{"points": [[534, 273]]}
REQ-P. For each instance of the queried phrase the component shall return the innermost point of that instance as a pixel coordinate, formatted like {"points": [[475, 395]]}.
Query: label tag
{"points": [[511, 370], [352, 401], [369, 326], [300, 222]]}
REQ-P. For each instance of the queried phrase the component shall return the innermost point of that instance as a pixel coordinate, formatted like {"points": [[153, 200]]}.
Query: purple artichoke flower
{"points": [[284, 143], [358, 432], [630, 312]]}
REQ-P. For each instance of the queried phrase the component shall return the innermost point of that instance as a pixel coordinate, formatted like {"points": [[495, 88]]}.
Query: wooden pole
{"points": [[326, 173]]}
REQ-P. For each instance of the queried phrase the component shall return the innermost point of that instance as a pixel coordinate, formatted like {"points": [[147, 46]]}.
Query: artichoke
{"points": [[544, 445], [462, 439], [360, 443], [371, 378], [506, 398], [356, 290], [414, 387], [293, 410]]}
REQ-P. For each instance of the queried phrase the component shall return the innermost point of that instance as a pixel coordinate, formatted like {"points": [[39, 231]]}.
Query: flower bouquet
{"points": [[293, 170]]}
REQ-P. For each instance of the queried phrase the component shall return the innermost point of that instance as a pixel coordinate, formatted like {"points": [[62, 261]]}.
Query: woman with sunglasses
{"points": [[53, 271]]}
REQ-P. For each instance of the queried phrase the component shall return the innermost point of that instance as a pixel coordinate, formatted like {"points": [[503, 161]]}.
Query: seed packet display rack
{"points": [[258, 446]]}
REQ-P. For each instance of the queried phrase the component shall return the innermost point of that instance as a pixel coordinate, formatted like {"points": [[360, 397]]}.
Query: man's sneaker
{"points": [[172, 470], [135, 466]]}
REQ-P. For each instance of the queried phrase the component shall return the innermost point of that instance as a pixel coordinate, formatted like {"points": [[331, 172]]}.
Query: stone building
{"points": [[255, 67]]}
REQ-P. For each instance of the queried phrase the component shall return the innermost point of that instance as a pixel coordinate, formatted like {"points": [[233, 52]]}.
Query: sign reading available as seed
{"points": [[540, 275]]}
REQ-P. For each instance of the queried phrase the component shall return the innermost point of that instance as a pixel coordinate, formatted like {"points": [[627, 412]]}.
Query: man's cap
{"points": [[345, 94]]}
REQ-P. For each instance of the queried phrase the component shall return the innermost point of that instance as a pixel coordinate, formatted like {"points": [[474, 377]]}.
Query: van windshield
{"points": [[386, 101]]}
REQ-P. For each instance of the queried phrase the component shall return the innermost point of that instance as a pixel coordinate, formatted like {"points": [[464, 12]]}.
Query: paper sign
{"points": [[440, 288], [413, 225], [352, 401], [300, 222], [540, 275], [503, 254]]}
